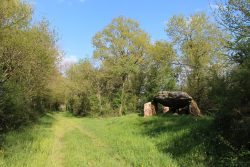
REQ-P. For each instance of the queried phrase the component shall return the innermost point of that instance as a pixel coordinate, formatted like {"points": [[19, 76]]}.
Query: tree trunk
{"points": [[99, 98], [122, 98]]}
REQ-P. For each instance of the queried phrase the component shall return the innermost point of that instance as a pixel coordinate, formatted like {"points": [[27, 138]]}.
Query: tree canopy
{"points": [[28, 61]]}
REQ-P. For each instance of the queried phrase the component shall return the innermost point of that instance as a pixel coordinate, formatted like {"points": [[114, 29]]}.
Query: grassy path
{"points": [[62, 140]]}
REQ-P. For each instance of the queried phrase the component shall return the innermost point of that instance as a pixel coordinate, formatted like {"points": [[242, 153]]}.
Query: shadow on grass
{"points": [[46, 121], [70, 115], [187, 139], [27, 133]]}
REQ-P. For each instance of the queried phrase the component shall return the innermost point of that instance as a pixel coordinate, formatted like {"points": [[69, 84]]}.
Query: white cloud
{"points": [[189, 20], [214, 6], [67, 62], [32, 2], [72, 59]]}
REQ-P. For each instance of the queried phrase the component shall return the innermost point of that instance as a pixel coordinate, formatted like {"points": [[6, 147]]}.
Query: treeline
{"points": [[28, 65], [129, 69]]}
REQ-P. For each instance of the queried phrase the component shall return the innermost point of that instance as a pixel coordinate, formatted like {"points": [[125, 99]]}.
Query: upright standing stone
{"points": [[149, 109], [195, 109], [165, 109]]}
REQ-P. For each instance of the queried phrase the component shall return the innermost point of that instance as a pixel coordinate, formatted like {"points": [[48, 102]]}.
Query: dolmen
{"points": [[175, 101]]}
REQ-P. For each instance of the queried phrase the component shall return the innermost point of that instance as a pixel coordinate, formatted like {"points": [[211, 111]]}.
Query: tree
{"points": [[234, 16], [82, 96], [200, 44], [28, 58], [14, 16], [160, 73], [121, 48]]}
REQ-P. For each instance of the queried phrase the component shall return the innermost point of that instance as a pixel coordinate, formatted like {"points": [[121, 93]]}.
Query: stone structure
{"points": [[178, 102], [165, 109], [149, 109]]}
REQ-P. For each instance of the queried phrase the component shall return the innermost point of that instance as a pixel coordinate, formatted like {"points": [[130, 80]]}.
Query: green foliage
{"points": [[121, 48], [82, 91], [160, 72], [28, 57], [200, 44], [232, 122]]}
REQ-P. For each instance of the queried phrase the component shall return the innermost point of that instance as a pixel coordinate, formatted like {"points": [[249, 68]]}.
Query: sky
{"points": [[77, 21]]}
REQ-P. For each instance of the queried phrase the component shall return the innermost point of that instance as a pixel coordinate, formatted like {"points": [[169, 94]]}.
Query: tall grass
{"points": [[28, 146], [62, 140]]}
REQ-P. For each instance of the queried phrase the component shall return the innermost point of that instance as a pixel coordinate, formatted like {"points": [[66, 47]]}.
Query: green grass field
{"points": [[60, 139]]}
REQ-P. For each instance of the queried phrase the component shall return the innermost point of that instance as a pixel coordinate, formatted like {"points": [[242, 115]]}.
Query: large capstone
{"points": [[177, 101], [173, 99]]}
